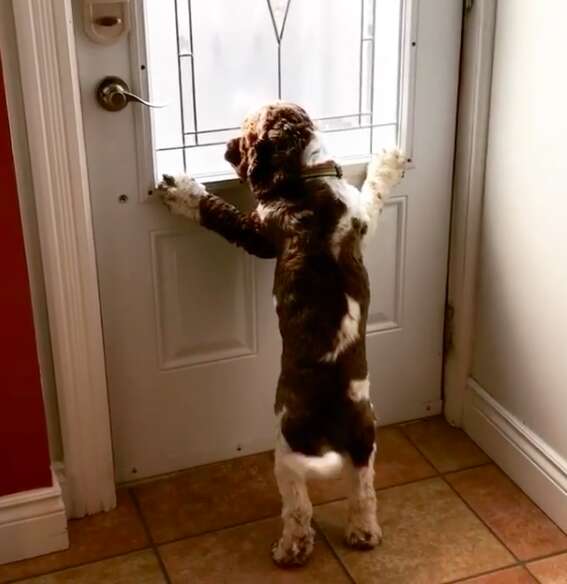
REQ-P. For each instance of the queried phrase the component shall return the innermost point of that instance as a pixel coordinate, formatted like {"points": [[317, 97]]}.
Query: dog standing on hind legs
{"points": [[314, 223]]}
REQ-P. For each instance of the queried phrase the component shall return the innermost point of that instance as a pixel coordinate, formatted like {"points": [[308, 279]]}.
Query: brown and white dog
{"points": [[314, 223]]}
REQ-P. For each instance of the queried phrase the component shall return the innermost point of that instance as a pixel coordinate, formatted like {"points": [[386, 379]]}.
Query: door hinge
{"points": [[448, 329], [469, 5]]}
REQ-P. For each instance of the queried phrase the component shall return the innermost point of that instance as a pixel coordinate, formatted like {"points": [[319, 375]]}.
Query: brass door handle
{"points": [[113, 94]]}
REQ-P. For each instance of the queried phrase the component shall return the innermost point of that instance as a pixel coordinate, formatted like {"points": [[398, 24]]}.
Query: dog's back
{"points": [[322, 295]]}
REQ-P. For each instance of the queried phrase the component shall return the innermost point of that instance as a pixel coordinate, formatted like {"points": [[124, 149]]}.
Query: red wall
{"points": [[24, 455]]}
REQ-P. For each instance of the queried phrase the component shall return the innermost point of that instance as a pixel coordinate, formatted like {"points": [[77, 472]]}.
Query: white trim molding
{"points": [[536, 467], [32, 523], [48, 69], [468, 187]]}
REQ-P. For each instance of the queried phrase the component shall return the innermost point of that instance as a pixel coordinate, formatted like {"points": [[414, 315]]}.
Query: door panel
{"points": [[191, 338], [385, 264], [211, 321]]}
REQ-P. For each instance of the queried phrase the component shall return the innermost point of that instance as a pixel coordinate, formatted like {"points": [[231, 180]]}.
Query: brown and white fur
{"points": [[314, 223]]}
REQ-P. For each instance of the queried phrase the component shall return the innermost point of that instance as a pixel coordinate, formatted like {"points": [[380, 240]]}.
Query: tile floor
{"points": [[448, 515]]}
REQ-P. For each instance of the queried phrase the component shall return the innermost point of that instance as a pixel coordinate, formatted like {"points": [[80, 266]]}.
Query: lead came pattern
{"points": [[204, 28]]}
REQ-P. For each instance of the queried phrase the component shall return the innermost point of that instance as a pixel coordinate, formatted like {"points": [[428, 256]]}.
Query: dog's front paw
{"points": [[181, 195], [388, 167], [293, 552], [363, 538]]}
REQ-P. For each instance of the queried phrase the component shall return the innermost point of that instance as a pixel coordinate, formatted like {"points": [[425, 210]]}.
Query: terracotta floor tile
{"points": [[92, 538], [519, 523], [447, 448], [210, 497], [516, 575], [323, 491], [429, 536], [137, 568], [551, 570], [241, 555], [397, 462]]}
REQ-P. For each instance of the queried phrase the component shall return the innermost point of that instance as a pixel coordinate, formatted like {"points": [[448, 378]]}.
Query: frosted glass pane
{"points": [[235, 60], [169, 162], [384, 137], [350, 143], [386, 61], [321, 56], [162, 71], [214, 61]]}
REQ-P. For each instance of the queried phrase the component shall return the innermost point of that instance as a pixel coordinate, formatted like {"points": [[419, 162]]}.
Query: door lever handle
{"points": [[113, 94]]}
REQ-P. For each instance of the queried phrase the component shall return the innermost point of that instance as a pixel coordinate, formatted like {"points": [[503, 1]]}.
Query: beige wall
{"points": [[520, 353]]}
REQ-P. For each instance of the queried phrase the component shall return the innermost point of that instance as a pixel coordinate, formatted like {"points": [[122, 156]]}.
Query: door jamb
{"points": [[50, 86], [468, 190]]}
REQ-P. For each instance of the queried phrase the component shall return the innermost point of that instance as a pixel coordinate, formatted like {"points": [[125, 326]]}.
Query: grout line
{"points": [[533, 575], [404, 483], [275, 516], [544, 557], [148, 532], [519, 561], [69, 566], [182, 471], [466, 468], [154, 546], [215, 530], [324, 537], [432, 463], [480, 574], [163, 476], [416, 446], [471, 508], [162, 565]]}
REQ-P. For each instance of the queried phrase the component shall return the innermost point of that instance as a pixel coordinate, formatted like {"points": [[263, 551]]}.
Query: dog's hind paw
{"points": [[363, 539], [181, 195], [293, 553]]}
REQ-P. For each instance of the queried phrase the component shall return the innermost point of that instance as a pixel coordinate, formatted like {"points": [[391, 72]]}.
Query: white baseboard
{"points": [[59, 469], [536, 467], [32, 523]]}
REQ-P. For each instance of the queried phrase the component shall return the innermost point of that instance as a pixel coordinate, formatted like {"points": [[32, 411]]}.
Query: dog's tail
{"points": [[325, 466]]}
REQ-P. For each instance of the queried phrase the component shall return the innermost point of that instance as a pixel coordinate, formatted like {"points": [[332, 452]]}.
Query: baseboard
{"points": [[32, 523], [536, 467], [59, 469]]}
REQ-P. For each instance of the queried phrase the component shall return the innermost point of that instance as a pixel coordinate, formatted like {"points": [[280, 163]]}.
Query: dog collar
{"points": [[323, 169]]}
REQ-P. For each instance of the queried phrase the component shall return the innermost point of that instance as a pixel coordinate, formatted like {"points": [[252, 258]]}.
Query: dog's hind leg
{"points": [[363, 531], [296, 543]]}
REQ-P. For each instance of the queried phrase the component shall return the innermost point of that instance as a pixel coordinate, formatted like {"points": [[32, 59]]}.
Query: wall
{"points": [[14, 98], [520, 351], [24, 455]]}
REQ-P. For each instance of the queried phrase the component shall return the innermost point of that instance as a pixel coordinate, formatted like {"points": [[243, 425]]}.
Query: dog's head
{"points": [[269, 152]]}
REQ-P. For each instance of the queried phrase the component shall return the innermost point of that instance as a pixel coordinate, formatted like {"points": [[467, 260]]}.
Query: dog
{"points": [[314, 223]]}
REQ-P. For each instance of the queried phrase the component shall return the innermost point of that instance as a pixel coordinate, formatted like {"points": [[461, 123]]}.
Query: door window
{"points": [[215, 60]]}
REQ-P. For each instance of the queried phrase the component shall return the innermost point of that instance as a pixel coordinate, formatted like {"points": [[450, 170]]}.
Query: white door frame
{"points": [[48, 68], [468, 191]]}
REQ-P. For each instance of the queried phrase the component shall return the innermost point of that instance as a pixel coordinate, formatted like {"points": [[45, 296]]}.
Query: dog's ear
{"points": [[276, 155], [232, 153], [236, 157], [261, 162]]}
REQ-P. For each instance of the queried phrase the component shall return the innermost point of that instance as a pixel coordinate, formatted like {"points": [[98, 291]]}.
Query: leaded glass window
{"points": [[214, 61]]}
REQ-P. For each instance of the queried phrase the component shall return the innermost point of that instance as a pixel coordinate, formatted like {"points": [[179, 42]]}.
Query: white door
{"points": [[192, 347]]}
